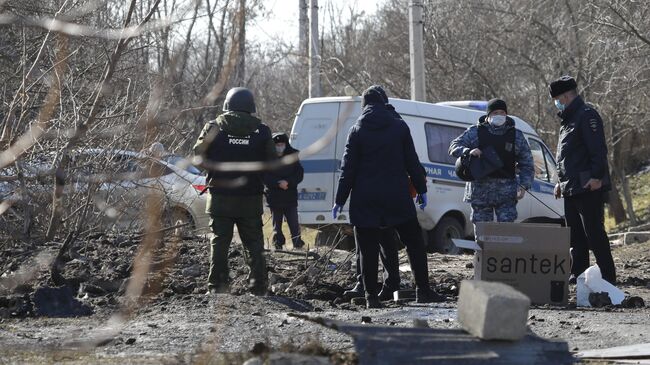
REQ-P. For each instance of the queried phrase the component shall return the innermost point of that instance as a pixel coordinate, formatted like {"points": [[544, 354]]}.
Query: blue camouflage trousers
{"points": [[505, 212], [492, 197]]}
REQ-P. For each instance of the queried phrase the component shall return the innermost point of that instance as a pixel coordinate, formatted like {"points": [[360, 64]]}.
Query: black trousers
{"points": [[388, 242], [410, 234], [291, 213], [585, 216]]}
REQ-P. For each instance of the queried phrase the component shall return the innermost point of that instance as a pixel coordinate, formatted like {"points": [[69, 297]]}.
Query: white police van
{"points": [[433, 127]]}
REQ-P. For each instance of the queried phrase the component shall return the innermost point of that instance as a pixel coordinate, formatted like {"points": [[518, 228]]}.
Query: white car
{"points": [[119, 181], [134, 176]]}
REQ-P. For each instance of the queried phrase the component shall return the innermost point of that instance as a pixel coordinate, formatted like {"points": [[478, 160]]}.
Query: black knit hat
{"points": [[280, 138], [375, 94], [562, 85], [496, 104]]}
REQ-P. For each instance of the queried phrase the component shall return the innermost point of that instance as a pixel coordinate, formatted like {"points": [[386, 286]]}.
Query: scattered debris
{"points": [[260, 348], [599, 300], [633, 302], [18, 305], [420, 323]]}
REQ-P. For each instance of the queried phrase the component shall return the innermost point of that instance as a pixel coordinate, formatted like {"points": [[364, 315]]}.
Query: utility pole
{"points": [[240, 73], [314, 56], [303, 31], [416, 49]]}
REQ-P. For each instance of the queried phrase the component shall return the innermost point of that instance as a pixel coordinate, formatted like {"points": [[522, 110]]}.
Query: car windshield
{"points": [[182, 163]]}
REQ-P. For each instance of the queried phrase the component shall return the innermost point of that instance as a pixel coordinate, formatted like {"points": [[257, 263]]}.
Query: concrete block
{"points": [[492, 311]]}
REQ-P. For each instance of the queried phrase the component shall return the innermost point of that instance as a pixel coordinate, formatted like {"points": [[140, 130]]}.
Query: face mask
{"points": [[279, 149], [559, 105], [497, 120]]}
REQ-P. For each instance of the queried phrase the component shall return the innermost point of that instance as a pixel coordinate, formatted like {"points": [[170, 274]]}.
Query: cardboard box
{"points": [[532, 258]]}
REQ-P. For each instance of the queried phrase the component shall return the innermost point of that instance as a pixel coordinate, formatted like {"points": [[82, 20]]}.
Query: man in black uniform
{"points": [[583, 178], [236, 196], [282, 194]]}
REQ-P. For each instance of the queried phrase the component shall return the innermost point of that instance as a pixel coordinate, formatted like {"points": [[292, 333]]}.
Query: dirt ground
{"points": [[175, 322]]}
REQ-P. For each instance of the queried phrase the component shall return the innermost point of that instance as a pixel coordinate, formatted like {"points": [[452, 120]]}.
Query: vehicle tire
{"points": [[325, 238], [331, 237], [445, 230], [178, 216]]}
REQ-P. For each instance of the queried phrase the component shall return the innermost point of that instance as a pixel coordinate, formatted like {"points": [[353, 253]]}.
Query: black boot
{"points": [[372, 301], [427, 295], [356, 292], [299, 244], [386, 293]]}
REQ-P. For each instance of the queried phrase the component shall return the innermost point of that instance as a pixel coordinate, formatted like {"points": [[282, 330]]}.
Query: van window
{"points": [[545, 169], [439, 138]]}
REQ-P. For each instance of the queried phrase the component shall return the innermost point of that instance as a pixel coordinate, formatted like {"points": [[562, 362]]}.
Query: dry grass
{"points": [[640, 187], [308, 235]]}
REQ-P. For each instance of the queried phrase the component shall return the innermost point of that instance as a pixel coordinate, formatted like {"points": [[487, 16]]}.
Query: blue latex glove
{"points": [[421, 199], [336, 209]]}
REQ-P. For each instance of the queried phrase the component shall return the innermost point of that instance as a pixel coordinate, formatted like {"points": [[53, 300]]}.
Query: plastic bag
{"points": [[591, 281]]}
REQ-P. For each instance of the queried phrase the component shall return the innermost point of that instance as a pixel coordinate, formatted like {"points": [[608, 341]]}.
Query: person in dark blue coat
{"points": [[583, 178], [378, 160], [282, 194], [388, 246]]}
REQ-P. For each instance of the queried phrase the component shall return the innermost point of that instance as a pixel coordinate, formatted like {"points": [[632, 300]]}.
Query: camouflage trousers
{"points": [[505, 212], [250, 231]]}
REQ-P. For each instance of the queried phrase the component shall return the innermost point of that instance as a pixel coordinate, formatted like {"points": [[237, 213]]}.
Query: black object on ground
{"points": [[633, 302], [599, 300], [58, 302]]}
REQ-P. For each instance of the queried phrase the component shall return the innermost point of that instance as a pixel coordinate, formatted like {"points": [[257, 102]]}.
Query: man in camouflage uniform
{"points": [[498, 192], [235, 196]]}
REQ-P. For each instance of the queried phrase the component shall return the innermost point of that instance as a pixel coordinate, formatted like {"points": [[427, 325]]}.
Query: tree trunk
{"points": [[616, 208], [629, 205], [240, 73]]}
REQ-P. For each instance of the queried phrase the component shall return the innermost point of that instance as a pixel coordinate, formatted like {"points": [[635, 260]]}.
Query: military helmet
{"points": [[463, 164], [239, 99]]}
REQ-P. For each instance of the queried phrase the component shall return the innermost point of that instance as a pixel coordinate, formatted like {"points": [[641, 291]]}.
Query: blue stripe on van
{"points": [[437, 171], [543, 187]]}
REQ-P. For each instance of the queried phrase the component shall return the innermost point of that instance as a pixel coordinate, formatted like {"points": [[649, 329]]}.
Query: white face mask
{"points": [[279, 148], [497, 120]]}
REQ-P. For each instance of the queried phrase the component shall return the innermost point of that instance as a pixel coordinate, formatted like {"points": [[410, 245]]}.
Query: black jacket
{"points": [[379, 158], [581, 151], [293, 174]]}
